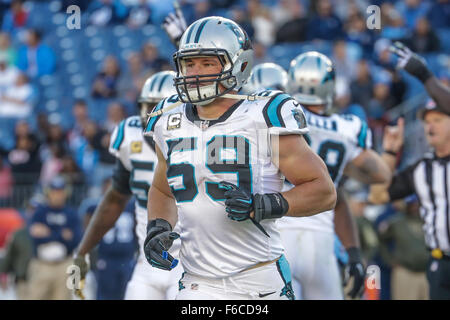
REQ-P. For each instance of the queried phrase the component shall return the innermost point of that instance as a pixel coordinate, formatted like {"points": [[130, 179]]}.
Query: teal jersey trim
{"points": [[362, 135], [272, 111], [152, 121], [120, 135], [285, 273]]}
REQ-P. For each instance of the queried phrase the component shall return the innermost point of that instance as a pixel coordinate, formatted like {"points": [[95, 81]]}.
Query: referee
{"points": [[429, 179]]}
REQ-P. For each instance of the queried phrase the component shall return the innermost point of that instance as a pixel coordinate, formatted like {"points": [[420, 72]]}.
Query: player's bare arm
{"points": [[162, 217], [368, 167], [161, 203], [103, 219], [314, 190], [439, 92], [392, 144], [345, 228], [344, 224]]}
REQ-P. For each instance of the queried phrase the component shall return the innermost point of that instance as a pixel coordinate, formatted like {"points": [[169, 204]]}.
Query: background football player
{"points": [[343, 142], [135, 165], [220, 169], [266, 76]]}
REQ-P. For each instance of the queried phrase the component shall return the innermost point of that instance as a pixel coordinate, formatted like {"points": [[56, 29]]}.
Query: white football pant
{"points": [[149, 283], [268, 282], [315, 271]]}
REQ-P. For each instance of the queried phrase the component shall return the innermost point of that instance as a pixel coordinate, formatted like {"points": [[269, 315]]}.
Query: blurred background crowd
{"points": [[62, 92]]}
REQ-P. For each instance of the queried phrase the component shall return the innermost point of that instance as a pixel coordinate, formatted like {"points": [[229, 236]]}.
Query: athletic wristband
{"points": [[354, 255], [424, 75], [418, 68], [160, 223], [269, 206]]}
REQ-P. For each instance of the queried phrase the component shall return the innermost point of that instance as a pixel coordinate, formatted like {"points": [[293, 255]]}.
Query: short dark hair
{"points": [[37, 33], [80, 101]]}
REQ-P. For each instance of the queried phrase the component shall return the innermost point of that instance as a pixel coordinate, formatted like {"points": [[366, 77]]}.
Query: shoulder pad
{"points": [[151, 122], [267, 93]]}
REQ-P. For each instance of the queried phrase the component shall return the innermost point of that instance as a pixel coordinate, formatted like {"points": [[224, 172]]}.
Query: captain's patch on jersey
{"points": [[136, 147], [299, 117], [174, 121]]}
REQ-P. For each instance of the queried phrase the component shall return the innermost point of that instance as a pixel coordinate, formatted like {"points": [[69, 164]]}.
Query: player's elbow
{"points": [[328, 195], [383, 176]]}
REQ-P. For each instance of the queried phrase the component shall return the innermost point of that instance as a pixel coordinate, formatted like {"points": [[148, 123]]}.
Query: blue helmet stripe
{"points": [[199, 31], [162, 82], [188, 38], [258, 74], [152, 85]]}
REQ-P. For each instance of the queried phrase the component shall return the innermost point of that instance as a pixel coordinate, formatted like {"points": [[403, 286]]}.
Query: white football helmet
{"points": [[268, 76], [159, 86], [312, 79], [213, 36]]}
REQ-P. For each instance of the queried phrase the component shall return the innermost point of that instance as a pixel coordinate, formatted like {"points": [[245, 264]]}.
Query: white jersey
{"points": [[337, 139], [138, 157], [233, 148]]}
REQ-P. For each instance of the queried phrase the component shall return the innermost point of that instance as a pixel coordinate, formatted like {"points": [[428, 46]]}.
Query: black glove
{"points": [[157, 243], [355, 270], [411, 62], [240, 203]]}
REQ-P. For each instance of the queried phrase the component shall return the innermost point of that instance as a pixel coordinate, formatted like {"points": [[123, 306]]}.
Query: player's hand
{"points": [[82, 263], [174, 25], [355, 271], [393, 136], [411, 62], [238, 203], [157, 243]]}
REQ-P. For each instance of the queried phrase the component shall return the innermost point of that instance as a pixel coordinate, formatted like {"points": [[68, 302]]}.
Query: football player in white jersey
{"points": [[343, 142], [221, 167], [133, 175]]}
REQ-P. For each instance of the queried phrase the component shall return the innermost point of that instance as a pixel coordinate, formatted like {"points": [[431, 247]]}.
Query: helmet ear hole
{"points": [[243, 66]]}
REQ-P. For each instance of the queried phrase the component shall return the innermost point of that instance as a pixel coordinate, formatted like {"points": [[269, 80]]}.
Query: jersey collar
{"points": [[192, 115]]}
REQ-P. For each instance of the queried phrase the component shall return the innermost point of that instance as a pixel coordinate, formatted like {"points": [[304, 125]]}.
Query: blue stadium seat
{"points": [[444, 37], [7, 126]]}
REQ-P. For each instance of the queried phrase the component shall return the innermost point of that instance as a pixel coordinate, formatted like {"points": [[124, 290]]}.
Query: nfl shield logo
{"points": [[194, 286]]}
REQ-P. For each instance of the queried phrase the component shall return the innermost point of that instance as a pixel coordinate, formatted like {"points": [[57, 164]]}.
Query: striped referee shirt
{"points": [[429, 179]]}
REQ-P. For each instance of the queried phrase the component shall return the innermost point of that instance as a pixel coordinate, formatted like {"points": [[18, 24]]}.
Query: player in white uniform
{"points": [[135, 165], [343, 142], [220, 172]]}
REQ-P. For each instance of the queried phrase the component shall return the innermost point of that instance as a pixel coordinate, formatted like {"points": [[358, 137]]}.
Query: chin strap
{"points": [[227, 95]]}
